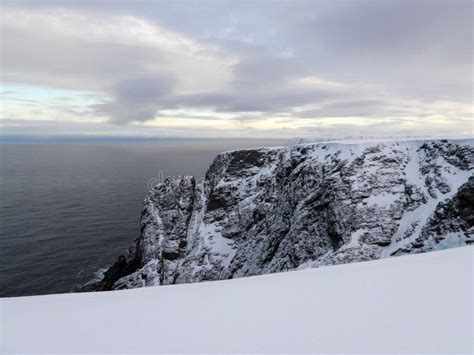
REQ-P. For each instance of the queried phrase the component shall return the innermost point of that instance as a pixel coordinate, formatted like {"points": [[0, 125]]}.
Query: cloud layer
{"points": [[269, 68]]}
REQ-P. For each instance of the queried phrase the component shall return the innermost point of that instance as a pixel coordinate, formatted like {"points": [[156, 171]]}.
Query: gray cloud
{"points": [[136, 99], [416, 48], [55, 60], [373, 59], [262, 101]]}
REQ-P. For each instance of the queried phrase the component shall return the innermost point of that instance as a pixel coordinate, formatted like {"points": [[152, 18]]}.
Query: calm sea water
{"points": [[69, 209]]}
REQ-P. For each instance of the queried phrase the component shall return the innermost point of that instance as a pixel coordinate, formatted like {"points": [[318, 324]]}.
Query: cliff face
{"points": [[268, 210]]}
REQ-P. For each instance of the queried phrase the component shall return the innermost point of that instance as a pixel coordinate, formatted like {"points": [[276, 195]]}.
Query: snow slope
{"points": [[416, 303]]}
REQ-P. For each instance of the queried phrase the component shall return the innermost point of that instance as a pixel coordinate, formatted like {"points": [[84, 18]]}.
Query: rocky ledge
{"points": [[275, 209]]}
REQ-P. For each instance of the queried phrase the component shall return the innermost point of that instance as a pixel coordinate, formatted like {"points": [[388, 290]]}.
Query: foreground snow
{"points": [[417, 303]]}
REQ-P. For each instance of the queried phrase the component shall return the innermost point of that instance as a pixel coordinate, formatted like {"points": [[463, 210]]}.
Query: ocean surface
{"points": [[68, 209]]}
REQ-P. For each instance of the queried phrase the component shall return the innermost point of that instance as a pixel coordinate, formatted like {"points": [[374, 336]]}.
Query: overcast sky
{"points": [[237, 68]]}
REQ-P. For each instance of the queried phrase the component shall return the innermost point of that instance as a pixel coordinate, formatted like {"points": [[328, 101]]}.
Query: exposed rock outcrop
{"points": [[275, 209]]}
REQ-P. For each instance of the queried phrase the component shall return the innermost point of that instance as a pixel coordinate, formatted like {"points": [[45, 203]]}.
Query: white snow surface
{"points": [[416, 303]]}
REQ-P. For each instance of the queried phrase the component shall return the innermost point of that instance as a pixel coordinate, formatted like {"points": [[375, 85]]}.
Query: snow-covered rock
{"points": [[267, 210]]}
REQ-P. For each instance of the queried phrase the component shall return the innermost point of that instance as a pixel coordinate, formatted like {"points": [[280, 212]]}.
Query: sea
{"points": [[69, 208]]}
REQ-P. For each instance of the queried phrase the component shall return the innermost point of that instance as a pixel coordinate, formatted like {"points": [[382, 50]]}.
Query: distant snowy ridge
{"points": [[365, 139], [267, 210]]}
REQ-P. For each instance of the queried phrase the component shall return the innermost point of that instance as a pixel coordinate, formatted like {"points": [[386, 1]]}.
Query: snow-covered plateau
{"points": [[417, 303], [267, 210]]}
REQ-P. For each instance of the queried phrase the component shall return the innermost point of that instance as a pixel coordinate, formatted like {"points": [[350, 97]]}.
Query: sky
{"points": [[243, 69]]}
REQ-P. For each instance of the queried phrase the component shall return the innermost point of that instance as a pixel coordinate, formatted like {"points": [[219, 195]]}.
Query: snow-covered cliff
{"points": [[267, 210]]}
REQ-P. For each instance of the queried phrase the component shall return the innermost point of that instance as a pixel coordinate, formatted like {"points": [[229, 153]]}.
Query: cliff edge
{"points": [[268, 210]]}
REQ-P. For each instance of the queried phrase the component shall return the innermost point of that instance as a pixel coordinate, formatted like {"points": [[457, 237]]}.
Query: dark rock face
{"points": [[269, 210], [452, 217], [125, 265]]}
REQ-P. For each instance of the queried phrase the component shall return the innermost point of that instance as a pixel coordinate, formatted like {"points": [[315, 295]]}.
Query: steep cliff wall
{"points": [[275, 209]]}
